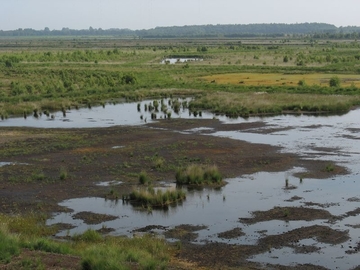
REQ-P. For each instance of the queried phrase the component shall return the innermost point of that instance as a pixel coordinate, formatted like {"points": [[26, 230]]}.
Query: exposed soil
{"points": [[185, 232], [234, 233], [54, 165], [92, 218], [288, 213], [294, 198], [215, 255]]}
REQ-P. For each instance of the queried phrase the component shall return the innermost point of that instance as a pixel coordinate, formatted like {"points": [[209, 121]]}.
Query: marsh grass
{"points": [[63, 174], [330, 167], [158, 162], [119, 253], [156, 198], [94, 250], [144, 179], [199, 175]]}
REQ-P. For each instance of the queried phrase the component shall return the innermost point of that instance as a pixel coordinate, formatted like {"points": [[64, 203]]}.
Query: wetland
{"points": [[291, 171]]}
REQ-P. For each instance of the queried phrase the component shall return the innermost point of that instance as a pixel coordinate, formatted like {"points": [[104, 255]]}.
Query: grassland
{"points": [[49, 74]]}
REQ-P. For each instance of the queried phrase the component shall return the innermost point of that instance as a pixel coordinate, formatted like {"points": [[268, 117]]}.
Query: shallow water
{"points": [[220, 211], [179, 60], [110, 115], [331, 138]]}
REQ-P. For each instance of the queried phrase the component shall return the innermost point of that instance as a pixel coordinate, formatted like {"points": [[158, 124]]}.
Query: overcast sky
{"points": [[146, 14]]}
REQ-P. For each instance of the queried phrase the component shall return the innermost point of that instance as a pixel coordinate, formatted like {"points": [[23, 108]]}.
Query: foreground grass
{"points": [[94, 251]]}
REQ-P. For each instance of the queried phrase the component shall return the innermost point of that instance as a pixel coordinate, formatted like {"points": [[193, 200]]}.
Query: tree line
{"points": [[316, 30]]}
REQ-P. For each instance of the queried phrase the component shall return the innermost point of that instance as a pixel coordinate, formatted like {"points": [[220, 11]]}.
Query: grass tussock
{"points": [[199, 175], [144, 179], [156, 198]]}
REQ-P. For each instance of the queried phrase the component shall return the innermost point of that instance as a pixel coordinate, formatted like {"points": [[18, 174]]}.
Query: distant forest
{"points": [[315, 30]]}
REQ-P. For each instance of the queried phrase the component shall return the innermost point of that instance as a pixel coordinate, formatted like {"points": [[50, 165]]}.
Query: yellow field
{"points": [[282, 79]]}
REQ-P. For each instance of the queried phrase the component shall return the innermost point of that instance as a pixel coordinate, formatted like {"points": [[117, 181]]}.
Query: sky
{"points": [[146, 14]]}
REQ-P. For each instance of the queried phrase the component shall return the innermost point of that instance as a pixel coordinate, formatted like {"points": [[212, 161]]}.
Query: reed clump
{"points": [[199, 175], [150, 197]]}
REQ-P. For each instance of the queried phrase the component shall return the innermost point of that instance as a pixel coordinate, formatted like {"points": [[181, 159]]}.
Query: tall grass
{"points": [[144, 179], [9, 245], [198, 175], [116, 253], [156, 198], [94, 250]]}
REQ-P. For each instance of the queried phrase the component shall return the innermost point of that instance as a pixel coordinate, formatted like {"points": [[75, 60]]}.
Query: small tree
{"points": [[334, 81], [286, 59], [8, 64], [128, 79]]}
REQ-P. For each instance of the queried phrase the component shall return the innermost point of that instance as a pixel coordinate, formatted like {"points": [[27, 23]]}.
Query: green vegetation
{"points": [[151, 198], [199, 175], [330, 167], [235, 77], [92, 250], [239, 30], [144, 178], [334, 81], [68, 74]]}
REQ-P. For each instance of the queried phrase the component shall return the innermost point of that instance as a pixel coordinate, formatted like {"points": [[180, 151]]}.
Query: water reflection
{"points": [[135, 113]]}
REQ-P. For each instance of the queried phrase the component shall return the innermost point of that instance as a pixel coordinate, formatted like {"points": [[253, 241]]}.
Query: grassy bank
{"points": [[89, 250], [262, 103]]}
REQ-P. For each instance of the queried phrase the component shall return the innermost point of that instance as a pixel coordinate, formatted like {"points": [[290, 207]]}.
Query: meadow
{"points": [[54, 74]]}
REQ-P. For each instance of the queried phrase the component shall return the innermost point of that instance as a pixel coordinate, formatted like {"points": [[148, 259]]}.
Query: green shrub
{"points": [[302, 83], [334, 81]]}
